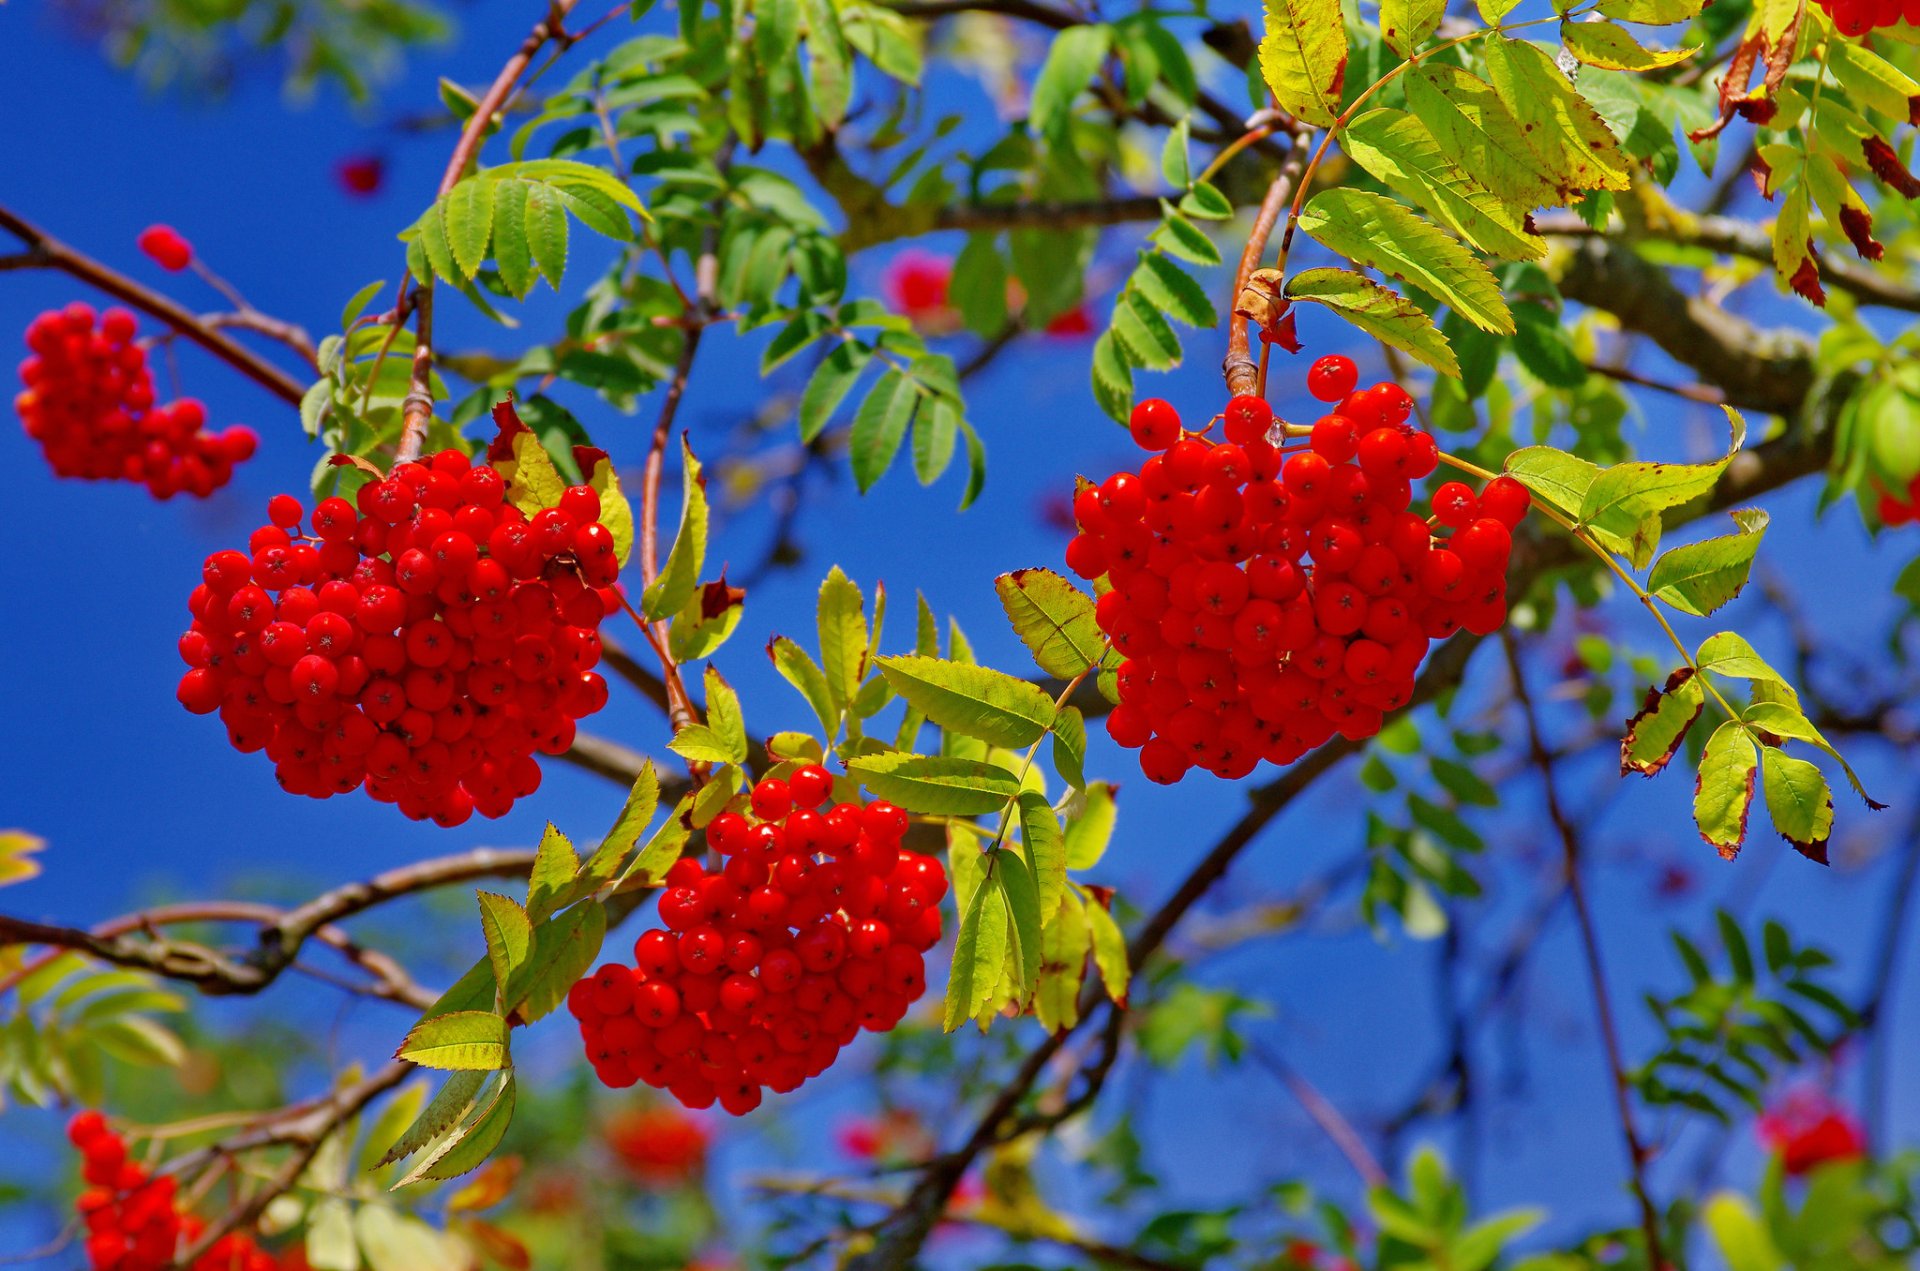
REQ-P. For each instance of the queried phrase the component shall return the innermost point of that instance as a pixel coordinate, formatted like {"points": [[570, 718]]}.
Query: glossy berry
{"points": [[816, 929], [89, 402], [1265, 601], [166, 247], [1155, 425], [391, 651], [1331, 378]]}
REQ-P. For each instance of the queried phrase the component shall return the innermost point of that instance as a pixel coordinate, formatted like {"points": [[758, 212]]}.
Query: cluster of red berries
{"points": [[816, 927], [89, 403], [660, 1145], [1857, 17], [165, 246], [131, 1216], [1267, 595], [425, 642]]}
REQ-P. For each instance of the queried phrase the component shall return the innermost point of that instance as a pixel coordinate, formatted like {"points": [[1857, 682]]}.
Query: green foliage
{"points": [[74, 1023], [1738, 1024]]}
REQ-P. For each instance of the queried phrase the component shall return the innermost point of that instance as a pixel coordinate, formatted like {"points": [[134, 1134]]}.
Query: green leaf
{"points": [[1090, 829], [844, 641], [1109, 952], [468, 212], [697, 633], [563, 951], [1149, 339], [935, 431], [1015, 874], [447, 1109], [462, 1040], [1624, 503], [935, 785], [1054, 619], [512, 251], [643, 800], [1112, 376], [1181, 237], [430, 233], [1875, 82], [829, 386], [1784, 719], [329, 1244], [979, 954], [1723, 792], [1072, 64], [651, 863], [394, 1241], [1560, 478], [546, 233], [508, 932], [679, 577], [1654, 734], [976, 701], [830, 69], [1174, 166], [1070, 746], [1727, 653], [1407, 24], [1377, 233], [1399, 150], [1565, 132], [1605, 45], [1472, 129], [879, 427], [1700, 577], [1799, 802], [1046, 849], [1303, 58], [1652, 12], [469, 1148], [724, 717], [1742, 1238], [978, 287], [800, 670], [1381, 313], [356, 306], [1064, 944], [1173, 291]]}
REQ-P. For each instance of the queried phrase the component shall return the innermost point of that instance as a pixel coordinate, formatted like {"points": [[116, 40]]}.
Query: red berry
{"points": [[1154, 425], [1331, 378], [167, 249]]}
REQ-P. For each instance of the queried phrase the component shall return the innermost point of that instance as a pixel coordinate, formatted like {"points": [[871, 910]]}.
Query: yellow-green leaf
{"points": [[1799, 801], [1303, 58], [1378, 233], [1723, 793], [688, 555], [934, 784], [1700, 577], [1560, 125], [1385, 314], [1407, 24], [1472, 128], [1399, 150], [472, 1041], [975, 700], [1612, 47]]}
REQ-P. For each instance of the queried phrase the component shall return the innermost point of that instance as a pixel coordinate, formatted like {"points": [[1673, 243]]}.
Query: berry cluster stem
{"points": [[1242, 373]]}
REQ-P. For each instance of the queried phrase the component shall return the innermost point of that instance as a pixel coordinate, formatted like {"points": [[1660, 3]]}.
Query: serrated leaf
{"points": [[1015, 874], [1065, 942], [1652, 12], [1379, 312], [936, 430], [1399, 150], [1785, 719], [1174, 166], [1377, 233], [679, 577], [1625, 501], [973, 700], [979, 954], [512, 250], [1112, 377], [1173, 291], [1073, 62], [467, 211], [1799, 802], [1470, 126], [1090, 828], [1054, 619], [472, 1144], [879, 426], [616, 513], [1700, 577], [468, 1041], [563, 951], [1303, 58], [935, 785], [844, 641], [1149, 339], [1723, 792], [1109, 952], [1605, 45], [1562, 129], [546, 233], [508, 933], [1070, 746], [1181, 237], [829, 386], [799, 669], [447, 1108], [1874, 81], [1560, 478], [1407, 24], [1654, 734], [697, 631], [1046, 850]]}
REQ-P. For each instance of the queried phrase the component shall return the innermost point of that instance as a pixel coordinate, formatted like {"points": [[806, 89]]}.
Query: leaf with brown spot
{"points": [[1654, 734], [1885, 164], [1723, 792]]}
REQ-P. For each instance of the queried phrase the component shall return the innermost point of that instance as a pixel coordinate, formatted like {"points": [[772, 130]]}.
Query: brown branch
{"points": [[47, 252], [1238, 366], [1590, 950], [1323, 1114], [417, 411]]}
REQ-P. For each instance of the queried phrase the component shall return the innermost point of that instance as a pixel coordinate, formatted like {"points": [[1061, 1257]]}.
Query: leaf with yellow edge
{"points": [[1474, 129], [533, 483], [1378, 233], [1613, 47], [1303, 58], [17, 848], [615, 512], [1560, 125], [681, 574], [1402, 153], [1381, 313]]}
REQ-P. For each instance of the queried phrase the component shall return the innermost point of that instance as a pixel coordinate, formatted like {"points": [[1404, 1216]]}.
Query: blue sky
{"points": [[138, 799]]}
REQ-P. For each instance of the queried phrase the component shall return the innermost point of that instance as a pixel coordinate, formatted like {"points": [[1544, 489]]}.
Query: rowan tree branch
{"points": [[44, 251]]}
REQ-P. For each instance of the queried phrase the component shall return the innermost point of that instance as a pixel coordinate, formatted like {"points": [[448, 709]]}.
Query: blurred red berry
{"points": [[361, 174], [916, 286], [1808, 1129], [660, 1146], [1072, 324], [168, 250]]}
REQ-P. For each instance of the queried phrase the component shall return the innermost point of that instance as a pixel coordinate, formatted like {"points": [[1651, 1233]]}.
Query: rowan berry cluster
{"points": [[425, 640], [1857, 17], [1268, 592], [131, 1216], [659, 1145], [815, 928], [89, 403]]}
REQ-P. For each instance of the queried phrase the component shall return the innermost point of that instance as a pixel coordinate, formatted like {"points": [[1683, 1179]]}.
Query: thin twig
{"points": [[1239, 367]]}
